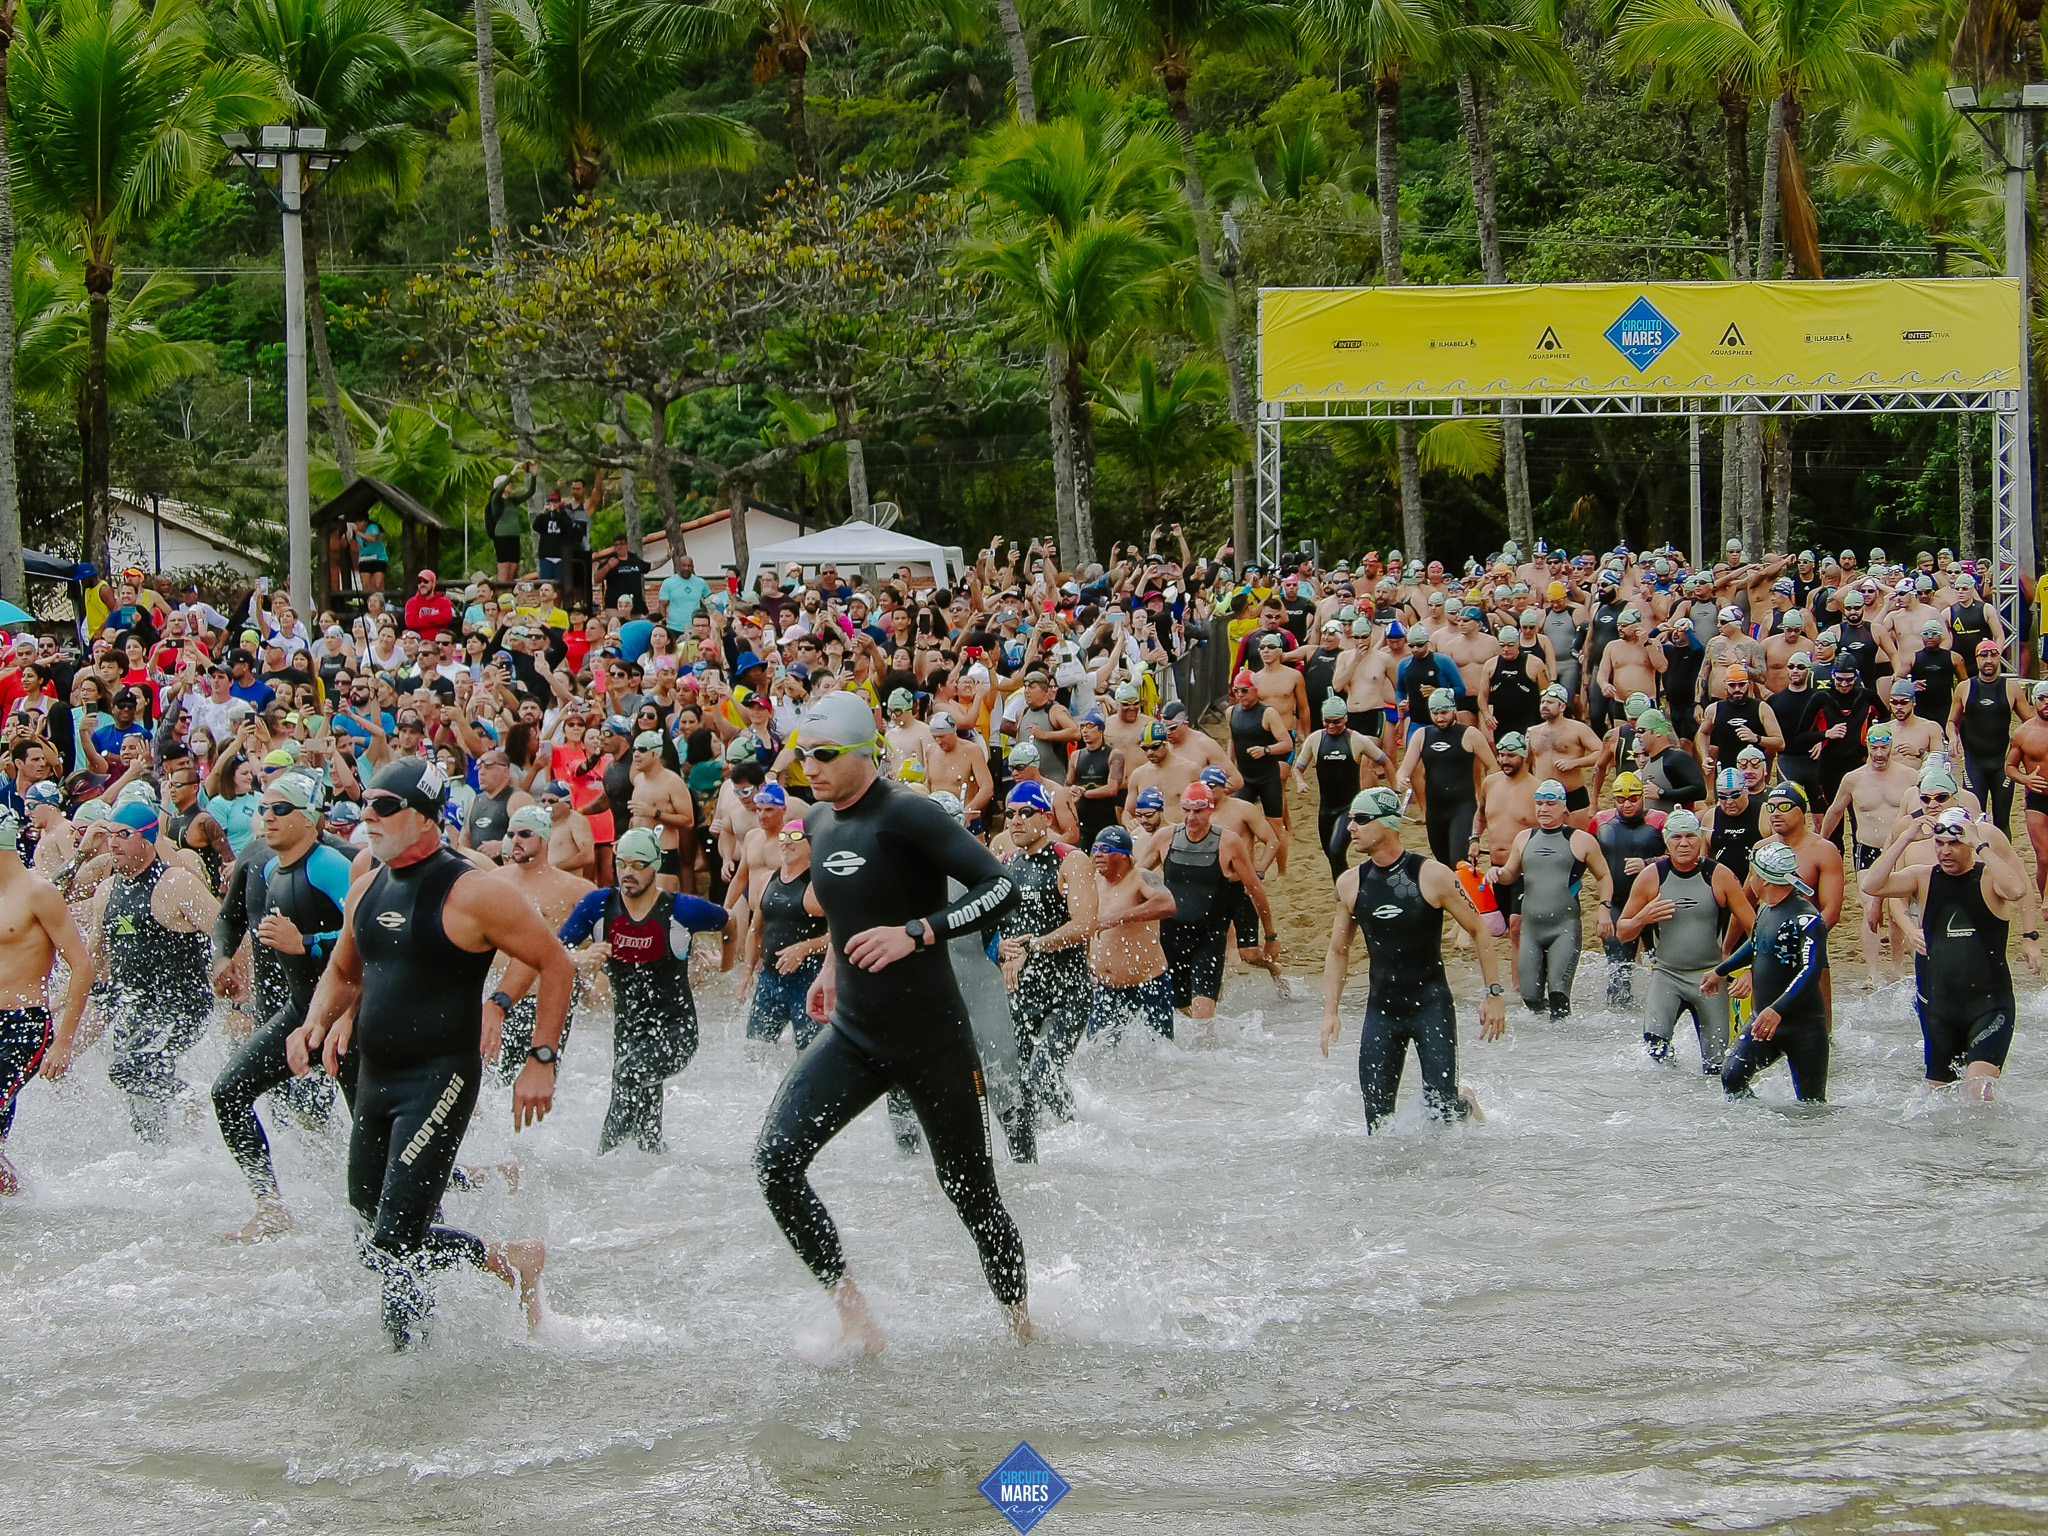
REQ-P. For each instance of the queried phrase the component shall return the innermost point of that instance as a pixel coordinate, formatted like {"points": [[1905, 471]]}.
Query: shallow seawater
{"points": [[1622, 1304]]}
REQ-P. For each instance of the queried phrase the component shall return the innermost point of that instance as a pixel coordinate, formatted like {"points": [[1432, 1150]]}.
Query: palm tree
{"points": [[1480, 42], [445, 464], [1466, 446], [790, 25], [821, 470], [1393, 38], [1079, 292], [1658, 35], [376, 69], [586, 85], [1920, 162], [13, 583], [1020, 59], [53, 346], [1167, 430], [120, 112], [1044, 183], [1163, 37], [1922, 165]]}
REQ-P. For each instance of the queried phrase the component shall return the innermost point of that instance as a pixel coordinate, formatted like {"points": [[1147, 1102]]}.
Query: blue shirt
{"points": [[236, 817], [361, 733], [108, 738], [687, 915], [682, 596], [256, 691], [634, 636]]}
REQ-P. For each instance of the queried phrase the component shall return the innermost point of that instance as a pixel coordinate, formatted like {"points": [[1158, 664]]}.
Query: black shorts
{"points": [[1509, 899], [1244, 917], [1580, 799], [1264, 793], [672, 861], [1468, 704], [368, 566], [1194, 959], [2036, 801], [1368, 722], [1984, 1036], [506, 545], [1866, 856]]}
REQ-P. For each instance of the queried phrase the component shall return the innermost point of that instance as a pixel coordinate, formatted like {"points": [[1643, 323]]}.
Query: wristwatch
{"points": [[1496, 990], [505, 1004], [917, 928], [546, 1055]]}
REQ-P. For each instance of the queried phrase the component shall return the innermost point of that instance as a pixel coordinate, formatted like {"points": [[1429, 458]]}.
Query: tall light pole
{"points": [[297, 155]]}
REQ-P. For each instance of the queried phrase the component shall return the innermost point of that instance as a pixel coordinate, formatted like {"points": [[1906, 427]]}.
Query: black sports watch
{"points": [[546, 1055], [917, 928], [1496, 990], [505, 1004]]}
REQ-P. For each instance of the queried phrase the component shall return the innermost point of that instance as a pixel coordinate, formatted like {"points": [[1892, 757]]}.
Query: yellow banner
{"points": [[1637, 339]]}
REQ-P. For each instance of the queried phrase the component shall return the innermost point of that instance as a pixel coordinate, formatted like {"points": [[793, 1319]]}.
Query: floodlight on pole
{"points": [[298, 154]]}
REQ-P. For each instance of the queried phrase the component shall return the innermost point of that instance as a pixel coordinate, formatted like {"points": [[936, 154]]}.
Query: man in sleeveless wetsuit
{"points": [[1968, 898], [1738, 824], [1447, 753], [880, 857], [404, 990], [1980, 729], [1399, 899], [305, 885], [151, 922], [1689, 900], [1200, 861], [643, 942], [1346, 761], [1549, 859], [1044, 947], [1631, 836], [1787, 954], [1096, 775]]}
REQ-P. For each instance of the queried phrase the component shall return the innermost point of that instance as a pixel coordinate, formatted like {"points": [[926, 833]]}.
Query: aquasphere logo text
{"points": [[1024, 1487]]}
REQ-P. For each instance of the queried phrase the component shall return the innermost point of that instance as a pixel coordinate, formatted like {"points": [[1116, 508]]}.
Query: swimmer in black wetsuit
{"points": [[1967, 899], [880, 858], [404, 988], [305, 884], [1399, 899], [1787, 953]]}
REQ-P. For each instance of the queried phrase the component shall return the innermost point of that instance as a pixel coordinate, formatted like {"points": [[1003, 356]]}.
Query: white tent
{"points": [[854, 546]]}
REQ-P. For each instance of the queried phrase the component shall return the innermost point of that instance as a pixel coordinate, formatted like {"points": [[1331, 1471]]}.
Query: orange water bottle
{"points": [[1481, 892]]}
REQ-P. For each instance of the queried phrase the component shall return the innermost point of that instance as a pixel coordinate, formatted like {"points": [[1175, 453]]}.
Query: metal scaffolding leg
{"points": [[2008, 446], [1266, 536]]}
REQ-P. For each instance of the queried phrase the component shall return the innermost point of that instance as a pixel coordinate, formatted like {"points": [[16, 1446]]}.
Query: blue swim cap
{"points": [[1150, 799], [1112, 840], [140, 815], [770, 794], [1215, 777], [1031, 795], [1729, 781], [1093, 717]]}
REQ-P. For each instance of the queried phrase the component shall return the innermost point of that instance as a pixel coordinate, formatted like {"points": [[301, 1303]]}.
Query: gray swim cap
{"points": [[840, 720]]}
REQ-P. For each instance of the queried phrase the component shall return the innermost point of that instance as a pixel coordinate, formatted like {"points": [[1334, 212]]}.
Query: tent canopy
{"points": [[854, 544]]}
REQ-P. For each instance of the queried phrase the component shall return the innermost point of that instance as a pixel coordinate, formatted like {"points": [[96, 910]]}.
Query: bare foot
{"points": [[1017, 1318], [271, 1220], [1282, 985], [1472, 1103], [518, 1263], [10, 1181], [857, 1325]]}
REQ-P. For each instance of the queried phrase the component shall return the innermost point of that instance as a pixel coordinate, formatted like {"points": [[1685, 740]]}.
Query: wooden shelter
{"points": [[335, 584]]}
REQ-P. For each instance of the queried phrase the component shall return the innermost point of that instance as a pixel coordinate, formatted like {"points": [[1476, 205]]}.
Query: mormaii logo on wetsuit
{"points": [[1024, 1487], [1388, 912], [844, 862]]}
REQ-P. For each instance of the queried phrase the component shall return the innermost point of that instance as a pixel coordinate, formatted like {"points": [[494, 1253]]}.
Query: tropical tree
{"points": [[1481, 41], [787, 27], [1393, 39], [1466, 446], [821, 471], [1166, 429], [1654, 35], [443, 462], [1922, 165], [585, 85], [374, 69], [119, 112], [1043, 184], [1163, 38], [1020, 59], [13, 583], [53, 346]]}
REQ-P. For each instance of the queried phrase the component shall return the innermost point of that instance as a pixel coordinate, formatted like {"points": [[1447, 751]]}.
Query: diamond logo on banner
{"points": [[1024, 1487], [1641, 335]]}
